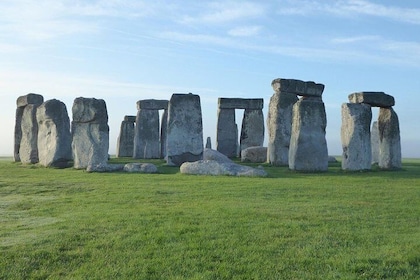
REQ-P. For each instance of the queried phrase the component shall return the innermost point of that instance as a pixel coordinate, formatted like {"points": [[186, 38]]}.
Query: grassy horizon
{"points": [[70, 224]]}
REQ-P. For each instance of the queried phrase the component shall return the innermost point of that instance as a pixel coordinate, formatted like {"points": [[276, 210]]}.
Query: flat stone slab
{"points": [[298, 87], [31, 98], [215, 168], [130, 118], [373, 98], [138, 167], [152, 104], [241, 103]]}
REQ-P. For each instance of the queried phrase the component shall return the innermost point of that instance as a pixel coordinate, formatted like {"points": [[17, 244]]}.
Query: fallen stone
{"points": [[256, 154], [140, 168], [105, 168], [212, 167], [210, 154], [374, 99]]}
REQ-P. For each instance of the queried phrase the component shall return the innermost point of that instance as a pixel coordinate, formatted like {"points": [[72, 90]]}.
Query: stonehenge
{"points": [[361, 146], [252, 131], [125, 140]]}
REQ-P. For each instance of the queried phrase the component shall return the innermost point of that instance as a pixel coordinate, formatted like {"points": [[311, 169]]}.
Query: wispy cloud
{"points": [[245, 31], [357, 39]]}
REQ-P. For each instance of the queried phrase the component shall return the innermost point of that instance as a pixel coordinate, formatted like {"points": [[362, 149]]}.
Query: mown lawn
{"points": [[70, 224]]}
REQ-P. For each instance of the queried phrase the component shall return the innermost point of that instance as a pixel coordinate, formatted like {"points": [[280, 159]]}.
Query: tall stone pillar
{"points": [[227, 132], [374, 142], [356, 137], [164, 133], [125, 141], [28, 150], [185, 129], [21, 103], [279, 123], [90, 132], [252, 132], [308, 150], [389, 139]]}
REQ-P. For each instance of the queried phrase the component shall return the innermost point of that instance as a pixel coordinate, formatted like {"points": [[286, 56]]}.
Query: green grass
{"points": [[70, 224]]}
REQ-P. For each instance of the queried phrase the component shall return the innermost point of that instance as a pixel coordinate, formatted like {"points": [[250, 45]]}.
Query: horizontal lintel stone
{"points": [[241, 103], [31, 98], [298, 87], [152, 104], [373, 98], [130, 118]]}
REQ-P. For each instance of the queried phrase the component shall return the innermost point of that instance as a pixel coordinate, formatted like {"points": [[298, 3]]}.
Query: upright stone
{"points": [[374, 142], [90, 132], [185, 129], [164, 134], [389, 139], [146, 140], [28, 150], [279, 124], [227, 132], [355, 136], [208, 143], [308, 147], [54, 137], [252, 132], [125, 141], [21, 103]]}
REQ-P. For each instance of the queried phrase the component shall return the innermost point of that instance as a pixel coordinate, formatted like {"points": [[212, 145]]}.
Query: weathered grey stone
{"points": [[152, 104], [28, 150], [257, 154], [105, 167], [125, 141], [241, 103], [130, 119], [355, 136], [215, 168], [208, 143], [297, 87], [252, 132], [146, 139], [374, 142], [164, 134], [18, 133], [210, 154], [308, 147], [185, 129], [54, 137], [332, 159], [140, 168], [227, 132], [389, 139], [31, 98], [279, 124], [374, 99], [90, 133]]}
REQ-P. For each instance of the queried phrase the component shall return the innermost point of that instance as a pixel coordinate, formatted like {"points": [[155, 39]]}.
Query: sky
{"points": [[123, 51]]}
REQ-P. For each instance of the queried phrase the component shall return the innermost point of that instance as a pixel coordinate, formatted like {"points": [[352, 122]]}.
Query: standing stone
{"points": [[252, 132], [308, 147], [21, 103], [227, 132], [389, 139], [28, 150], [90, 132], [54, 137], [208, 143], [185, 129], [164, 134], [355, 136], [374, 142], [146, 140], [279, 124], [125, 141]]}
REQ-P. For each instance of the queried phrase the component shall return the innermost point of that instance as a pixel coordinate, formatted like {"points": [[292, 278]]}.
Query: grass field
{"points": [[70, 224]]}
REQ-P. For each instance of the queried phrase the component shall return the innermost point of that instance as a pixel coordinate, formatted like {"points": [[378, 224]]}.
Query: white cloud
{"points": [[357, 39], [245, 31]]}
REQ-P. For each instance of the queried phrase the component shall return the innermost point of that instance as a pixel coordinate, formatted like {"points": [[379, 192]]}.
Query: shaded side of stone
{"points": [[125, 141], [374, 142], [241, 103], [31, 98], [18, 133], [308, 147], [152, 104], [185, 129], [252, 132], [164, 134], [28, 149], [279, 124], [227, 132], [146, 139], [355, 136], [389, 139]]}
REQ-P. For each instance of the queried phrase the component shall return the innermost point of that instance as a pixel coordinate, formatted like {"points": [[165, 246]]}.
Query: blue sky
{"points": [[123, 51]]}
